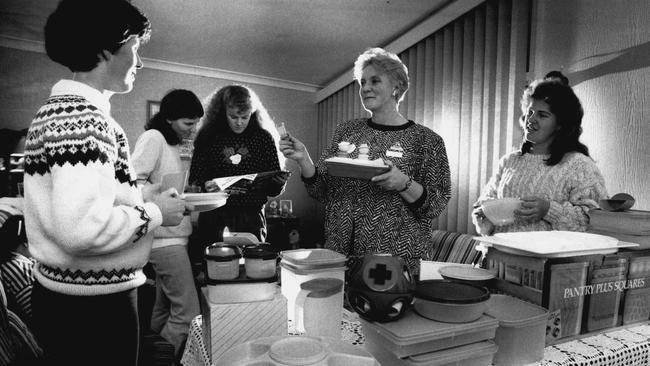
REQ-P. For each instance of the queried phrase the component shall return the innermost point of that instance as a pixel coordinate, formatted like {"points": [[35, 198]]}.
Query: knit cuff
{"points": [[554, 213], [311, 180]]}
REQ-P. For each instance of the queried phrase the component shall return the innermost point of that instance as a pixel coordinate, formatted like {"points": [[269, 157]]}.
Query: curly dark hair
{"points": [[176, 104], [78, 31], [566, 107]]}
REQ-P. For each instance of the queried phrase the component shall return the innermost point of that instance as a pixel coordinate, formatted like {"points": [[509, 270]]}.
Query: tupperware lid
{"points": [[259, 252], [465, 272], [450, 292], [313, 258], [513, 312], [308, 271], [221, 252], [413, 328], [456, 354]]}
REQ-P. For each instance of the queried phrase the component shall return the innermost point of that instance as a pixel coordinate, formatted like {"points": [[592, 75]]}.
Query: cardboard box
{"points": [[227, 325]]}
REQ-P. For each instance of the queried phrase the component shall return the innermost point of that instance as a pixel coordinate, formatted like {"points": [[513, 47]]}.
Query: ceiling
{"points": [[302, 41]]}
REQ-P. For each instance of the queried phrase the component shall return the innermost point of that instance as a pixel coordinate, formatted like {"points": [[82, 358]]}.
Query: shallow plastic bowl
{"points": [[501, 211], [618, 202], [450, 301]]}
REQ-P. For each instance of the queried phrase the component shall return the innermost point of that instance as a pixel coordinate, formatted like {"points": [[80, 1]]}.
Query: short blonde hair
{"points": [[387, 63]]}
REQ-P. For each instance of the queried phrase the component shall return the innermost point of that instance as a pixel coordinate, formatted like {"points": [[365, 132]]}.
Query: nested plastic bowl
{"points": [[468, 274], [450, 301], [501, 211]]}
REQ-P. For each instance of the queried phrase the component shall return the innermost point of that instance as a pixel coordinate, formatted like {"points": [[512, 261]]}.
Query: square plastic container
{"points": [[413, 334], [522, 330], [474, 354], [301, 265]]}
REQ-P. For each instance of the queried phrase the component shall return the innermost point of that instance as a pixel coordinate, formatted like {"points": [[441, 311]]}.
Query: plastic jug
{"points": [[318, 308]]}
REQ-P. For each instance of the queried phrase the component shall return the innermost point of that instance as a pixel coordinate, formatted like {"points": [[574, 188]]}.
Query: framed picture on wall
{"points": [[286, 208], [153, 106]]}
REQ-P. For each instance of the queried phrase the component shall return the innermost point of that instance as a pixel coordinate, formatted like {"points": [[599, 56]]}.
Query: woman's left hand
{"points": [[393, 180], [532, 209]]}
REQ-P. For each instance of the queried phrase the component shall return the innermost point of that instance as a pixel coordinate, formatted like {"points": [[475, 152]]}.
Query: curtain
{"points": [[466, 80]]}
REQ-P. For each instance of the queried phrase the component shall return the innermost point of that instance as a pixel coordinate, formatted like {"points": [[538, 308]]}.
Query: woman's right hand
{"points": [[484, 226], [292, 148], [171, 206]]}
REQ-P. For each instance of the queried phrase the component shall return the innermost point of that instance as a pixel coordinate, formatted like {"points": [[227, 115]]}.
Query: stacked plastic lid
{"points": [[415, 340], [301, 260]]}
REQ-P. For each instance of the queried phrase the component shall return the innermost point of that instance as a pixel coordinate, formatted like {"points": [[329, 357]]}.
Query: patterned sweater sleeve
{"points": [[84, 216], [489, 191], [318, 184], [586, 187], [146, 154], [435, 179], [271, 163]]}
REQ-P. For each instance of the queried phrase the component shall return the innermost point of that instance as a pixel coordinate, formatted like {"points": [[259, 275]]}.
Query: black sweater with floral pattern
{"points": [[230, 154]]}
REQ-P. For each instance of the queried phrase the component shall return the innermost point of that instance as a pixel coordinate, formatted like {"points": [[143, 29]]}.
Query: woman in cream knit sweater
{"points": [[552, 173]]}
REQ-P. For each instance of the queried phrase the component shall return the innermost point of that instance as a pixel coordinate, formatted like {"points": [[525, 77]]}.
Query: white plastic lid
{"points": [[297, 351], [313, 258], [414, 329], [513, 312], [456, 354]]}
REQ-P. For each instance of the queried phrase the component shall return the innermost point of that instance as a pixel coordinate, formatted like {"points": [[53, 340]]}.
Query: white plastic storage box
{"points": [[413, 334], [522, 330], [301, 265], [474, 354]]}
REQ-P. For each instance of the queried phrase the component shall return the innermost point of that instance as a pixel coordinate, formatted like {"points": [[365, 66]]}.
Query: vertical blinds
{"points": [[465, 83]]}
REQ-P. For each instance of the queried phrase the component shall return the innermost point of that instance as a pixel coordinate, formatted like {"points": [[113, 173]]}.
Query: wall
{"points": [[603, 46], [28, 76]]}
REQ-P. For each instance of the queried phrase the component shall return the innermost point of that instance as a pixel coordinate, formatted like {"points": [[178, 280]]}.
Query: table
{"points": [[628, 346]]}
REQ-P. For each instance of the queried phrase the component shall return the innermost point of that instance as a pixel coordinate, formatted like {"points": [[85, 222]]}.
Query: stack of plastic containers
{"points": [[521, 332], [416, 341]]}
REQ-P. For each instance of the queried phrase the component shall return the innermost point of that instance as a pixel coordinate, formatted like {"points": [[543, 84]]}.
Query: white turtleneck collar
{"points": [[94, 96]]}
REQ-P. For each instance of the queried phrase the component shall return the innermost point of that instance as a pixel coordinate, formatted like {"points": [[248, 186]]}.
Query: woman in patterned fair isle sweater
{"points": [[552, 172], [392, 212], [237, 136], [88, 226]]}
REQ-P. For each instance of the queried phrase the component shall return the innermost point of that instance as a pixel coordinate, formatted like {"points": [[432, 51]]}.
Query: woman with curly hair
{"points": [[237, 136]]}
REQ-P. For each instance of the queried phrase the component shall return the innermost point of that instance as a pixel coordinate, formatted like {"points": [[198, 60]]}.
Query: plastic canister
{"points": [[222, 262], [301, 265], [522, 330], [280, 351]]}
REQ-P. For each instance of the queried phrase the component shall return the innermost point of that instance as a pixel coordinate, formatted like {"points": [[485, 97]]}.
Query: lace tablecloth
{"points": [[196, 354], [618, 347]]}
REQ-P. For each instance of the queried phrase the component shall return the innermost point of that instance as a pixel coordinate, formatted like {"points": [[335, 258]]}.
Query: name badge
{"points": [[395, 151], [394, 154]]}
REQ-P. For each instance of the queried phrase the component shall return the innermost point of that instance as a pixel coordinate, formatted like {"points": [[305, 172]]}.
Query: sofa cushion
{"points": [[452, 247]]}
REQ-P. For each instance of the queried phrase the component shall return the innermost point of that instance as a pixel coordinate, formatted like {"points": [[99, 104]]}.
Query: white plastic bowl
{"points": [[501, 211]]}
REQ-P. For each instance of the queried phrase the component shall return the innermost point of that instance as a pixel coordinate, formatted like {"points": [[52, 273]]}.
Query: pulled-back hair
{"points": [[177, 104], [78, 31], [386, 63], [566, 107]]}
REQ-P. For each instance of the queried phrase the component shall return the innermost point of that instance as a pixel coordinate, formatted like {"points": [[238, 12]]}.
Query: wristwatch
{"points": [[407, 186]]}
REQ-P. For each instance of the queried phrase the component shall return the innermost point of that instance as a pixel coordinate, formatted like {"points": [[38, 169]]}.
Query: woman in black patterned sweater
{"points": [[392, 212], [237, 137]]}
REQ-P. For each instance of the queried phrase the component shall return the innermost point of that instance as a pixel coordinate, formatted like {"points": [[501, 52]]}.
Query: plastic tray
{"points": [[414, 334], [315, 351], [475, 354], [306, 259], [353, 168], [554, 244]]}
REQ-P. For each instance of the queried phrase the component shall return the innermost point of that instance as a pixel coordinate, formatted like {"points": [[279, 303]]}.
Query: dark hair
{"points": [[566, 107], [177, 104], [9, 139], [242, 98], [557, 75], [79, 30]]}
